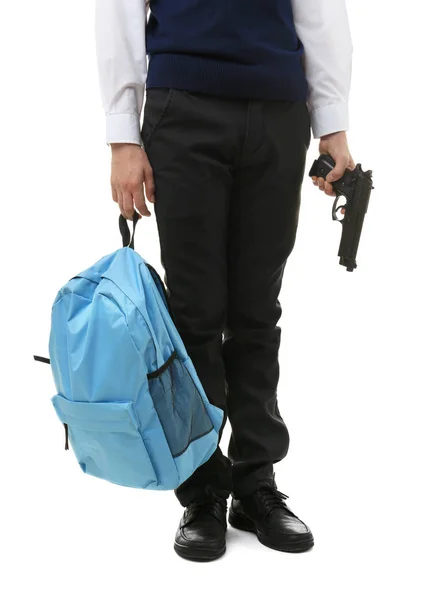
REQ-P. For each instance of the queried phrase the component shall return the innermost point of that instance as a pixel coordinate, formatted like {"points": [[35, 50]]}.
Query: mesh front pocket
{"points": [[179, 405]]}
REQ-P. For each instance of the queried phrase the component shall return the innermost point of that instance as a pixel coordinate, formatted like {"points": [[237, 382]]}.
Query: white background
{"points": [[351, 388]]}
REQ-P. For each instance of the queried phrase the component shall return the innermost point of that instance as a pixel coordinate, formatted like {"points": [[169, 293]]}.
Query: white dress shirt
{"points": [[321, 25]]}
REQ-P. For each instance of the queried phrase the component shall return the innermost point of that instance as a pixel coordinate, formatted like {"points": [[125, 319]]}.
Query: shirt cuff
{"points": [[123, 128], [329, 119]]}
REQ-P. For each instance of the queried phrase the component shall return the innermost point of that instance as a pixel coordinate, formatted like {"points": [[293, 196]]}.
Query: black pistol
{"points": [[355, 186]]}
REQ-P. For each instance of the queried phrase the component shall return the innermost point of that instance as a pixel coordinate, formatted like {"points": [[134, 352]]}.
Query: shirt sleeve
{"points": [[323, 28], [122, 66]]}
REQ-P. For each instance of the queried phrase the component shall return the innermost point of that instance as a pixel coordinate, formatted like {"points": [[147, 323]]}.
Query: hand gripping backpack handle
{"points": [[127, 237]]}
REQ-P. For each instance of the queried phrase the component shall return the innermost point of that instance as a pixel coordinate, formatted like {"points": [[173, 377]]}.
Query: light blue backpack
{"points": [[128, 395]]}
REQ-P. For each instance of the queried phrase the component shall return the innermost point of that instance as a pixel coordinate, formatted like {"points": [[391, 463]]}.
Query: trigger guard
{"points": [[336, 208]]}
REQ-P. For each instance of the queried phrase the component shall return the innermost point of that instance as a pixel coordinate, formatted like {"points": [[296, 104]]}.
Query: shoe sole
{"points": [[245, 524], [199, 554]]}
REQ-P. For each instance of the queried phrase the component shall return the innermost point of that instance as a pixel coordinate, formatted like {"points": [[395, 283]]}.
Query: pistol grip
{"points": [[322, 166]]}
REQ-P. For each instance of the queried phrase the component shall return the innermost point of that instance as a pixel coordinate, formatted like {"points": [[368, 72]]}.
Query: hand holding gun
{"points": [[355, 186]]}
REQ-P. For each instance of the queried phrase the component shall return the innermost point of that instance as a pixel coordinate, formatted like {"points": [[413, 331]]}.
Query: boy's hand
{"points": [[130, 171], [334, 144]]}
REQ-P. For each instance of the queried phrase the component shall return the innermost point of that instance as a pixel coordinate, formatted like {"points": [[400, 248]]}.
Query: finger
{"points": [[314, 179], [338, 171], [329, 191], [120, 201], [139, 202], [128, 204], [321, 183], [114, 194], [149, 184]]}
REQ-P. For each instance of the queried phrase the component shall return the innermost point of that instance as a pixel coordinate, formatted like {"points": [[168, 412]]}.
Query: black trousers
{"points": [[228, 175]]}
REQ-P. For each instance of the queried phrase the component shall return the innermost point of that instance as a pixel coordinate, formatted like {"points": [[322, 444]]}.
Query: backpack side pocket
{"points": [[179, 405]]}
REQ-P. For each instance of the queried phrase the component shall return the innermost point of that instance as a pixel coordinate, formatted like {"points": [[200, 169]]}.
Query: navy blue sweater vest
{"points": [[237, 48]]}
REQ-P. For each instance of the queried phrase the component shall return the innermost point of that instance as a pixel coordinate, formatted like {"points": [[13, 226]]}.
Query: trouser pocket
{"points": [[158, 101], [106, 439], [179, 405]]}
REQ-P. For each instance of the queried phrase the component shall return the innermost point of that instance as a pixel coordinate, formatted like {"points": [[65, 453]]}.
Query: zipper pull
{"points": [[66, 436]]}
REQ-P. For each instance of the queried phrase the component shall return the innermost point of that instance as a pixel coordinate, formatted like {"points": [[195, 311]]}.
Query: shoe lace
{"points": [[273, 499], [208, 505]]}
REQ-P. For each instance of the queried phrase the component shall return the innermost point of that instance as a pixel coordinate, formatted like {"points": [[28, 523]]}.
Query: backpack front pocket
{"points": [[179, 405], [107, 441]]}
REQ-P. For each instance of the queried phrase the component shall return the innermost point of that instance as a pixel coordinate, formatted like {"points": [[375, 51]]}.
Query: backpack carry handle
{"points": [[127, 237]]}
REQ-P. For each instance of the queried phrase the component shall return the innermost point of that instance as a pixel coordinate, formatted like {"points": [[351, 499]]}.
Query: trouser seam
{"points": [[247, 125]]}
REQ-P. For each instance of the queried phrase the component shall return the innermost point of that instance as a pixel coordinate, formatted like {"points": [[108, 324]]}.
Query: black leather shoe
{"points": [[265, 513], [201, 535]]}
